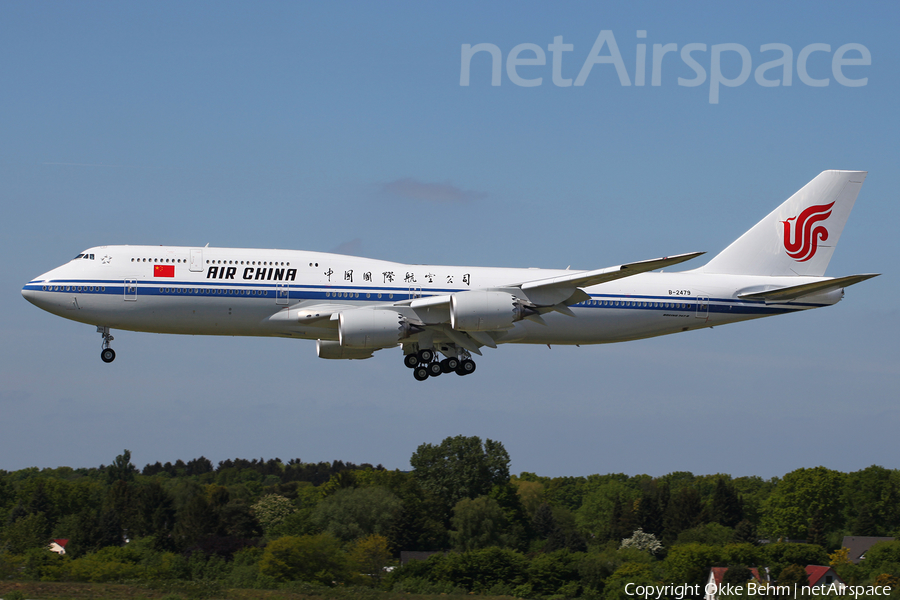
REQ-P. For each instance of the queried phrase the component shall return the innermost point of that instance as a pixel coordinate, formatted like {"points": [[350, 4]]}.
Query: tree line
{"points": [[266, 523]]}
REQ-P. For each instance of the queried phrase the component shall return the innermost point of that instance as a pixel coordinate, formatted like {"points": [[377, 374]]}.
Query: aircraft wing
{"points": [[536, 297], [786, 294], [554, 290]]}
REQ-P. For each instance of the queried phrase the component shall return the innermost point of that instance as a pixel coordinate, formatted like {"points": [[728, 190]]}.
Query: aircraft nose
{"points": [[30, 292]]}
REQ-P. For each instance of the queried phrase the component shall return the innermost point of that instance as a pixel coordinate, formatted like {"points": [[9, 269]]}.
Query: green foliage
{"points": [[352, 513], [793, 575], [369, 556], [108, 564], [460, 467], [299, 522], [595, 567], [779, 556], [683, 511], [421, 585], [42, 565], [743, 554], [121, 469], [872, 502], [195, 529], [738, 575], [605, 510], [883, 557], [315, 558], [479, 570], [711, 534], [27, 532], [799, 496], [550, 572], [531, 495], [690, 563], [726, 507], [478, 523], [637, 573]]}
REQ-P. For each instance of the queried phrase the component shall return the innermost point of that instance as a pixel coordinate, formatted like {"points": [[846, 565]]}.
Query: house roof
{"points": [[815, 574], [61, 542], [859, 544]]}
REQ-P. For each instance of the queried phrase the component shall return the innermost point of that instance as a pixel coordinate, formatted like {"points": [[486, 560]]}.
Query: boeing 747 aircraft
{"points": [[354, 306]]}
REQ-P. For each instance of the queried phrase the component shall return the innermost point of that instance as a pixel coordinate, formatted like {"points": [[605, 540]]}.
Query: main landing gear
{"points": [[424, 364], [107, 355]]}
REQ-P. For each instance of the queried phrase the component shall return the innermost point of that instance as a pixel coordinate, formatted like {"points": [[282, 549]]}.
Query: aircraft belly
{"points": [[180, 315], [602, 325]]}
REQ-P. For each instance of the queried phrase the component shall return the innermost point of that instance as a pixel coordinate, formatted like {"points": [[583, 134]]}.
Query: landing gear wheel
{"points": [[452, 363], [466, 367], [434, 369], [411, 361], [426, 355], [107, 354], [420, 373]]}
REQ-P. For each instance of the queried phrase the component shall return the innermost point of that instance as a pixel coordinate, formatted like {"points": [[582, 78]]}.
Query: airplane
{"points": [[356, 306]]}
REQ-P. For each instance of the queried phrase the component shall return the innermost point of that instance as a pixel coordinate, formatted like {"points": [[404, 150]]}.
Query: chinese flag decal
{"points": [[164, 270]]}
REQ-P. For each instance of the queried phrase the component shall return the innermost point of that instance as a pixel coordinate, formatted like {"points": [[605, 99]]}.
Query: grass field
{"points": [[178, 591]]}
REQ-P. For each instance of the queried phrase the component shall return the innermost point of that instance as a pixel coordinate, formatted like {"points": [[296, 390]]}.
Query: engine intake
{"points": [[485, 311], [371, 329]]}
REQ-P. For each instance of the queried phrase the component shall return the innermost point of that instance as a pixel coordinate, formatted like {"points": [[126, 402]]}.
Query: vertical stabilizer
{"points": [[798, 237]]}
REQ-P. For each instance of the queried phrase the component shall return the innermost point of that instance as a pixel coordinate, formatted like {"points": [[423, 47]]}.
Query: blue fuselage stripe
{"points": [[371, 294]]}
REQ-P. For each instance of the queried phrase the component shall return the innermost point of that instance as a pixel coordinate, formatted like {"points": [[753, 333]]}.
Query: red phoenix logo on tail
{"points": [[801, 243]]}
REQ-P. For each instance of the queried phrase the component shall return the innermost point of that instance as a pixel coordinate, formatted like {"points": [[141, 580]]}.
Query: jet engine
{"points": [[485, 311], [371, 329]]}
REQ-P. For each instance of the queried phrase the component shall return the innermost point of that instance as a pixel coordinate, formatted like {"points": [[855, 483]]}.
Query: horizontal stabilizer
{"points": [[786, 294]]}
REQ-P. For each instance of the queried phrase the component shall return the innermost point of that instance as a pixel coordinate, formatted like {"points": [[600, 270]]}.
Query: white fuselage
{"points": [[255, 292]]}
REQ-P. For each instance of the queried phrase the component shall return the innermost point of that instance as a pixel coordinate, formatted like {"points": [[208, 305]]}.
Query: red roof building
{"points": [[715, 577], [820, 576]]}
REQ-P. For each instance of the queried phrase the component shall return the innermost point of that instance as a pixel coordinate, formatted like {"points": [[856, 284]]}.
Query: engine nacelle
{"points": [[371, 329], [484, 311], [334, 350]]}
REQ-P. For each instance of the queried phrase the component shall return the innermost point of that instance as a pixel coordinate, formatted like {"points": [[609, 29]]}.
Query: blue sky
{"points": [[343, 126]]}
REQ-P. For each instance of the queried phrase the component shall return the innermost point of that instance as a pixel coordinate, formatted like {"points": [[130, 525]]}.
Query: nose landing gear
{"points": [[107, 354]]}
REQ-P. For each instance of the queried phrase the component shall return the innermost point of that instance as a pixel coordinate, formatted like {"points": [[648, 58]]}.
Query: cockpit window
{"points": [[79, 256], [84, 256]]}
